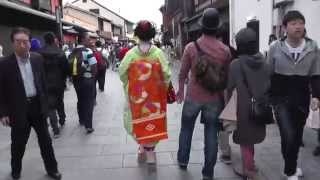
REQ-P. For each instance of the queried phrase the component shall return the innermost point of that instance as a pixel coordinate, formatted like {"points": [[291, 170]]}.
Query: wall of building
{"points": [[242, 11], [310, 9], [6, 42], [13, 18], [107, 26], [116, 20], [81, 19]]}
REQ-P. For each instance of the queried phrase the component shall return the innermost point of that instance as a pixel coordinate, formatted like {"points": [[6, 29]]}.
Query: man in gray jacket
{"points": [[296, 67]]}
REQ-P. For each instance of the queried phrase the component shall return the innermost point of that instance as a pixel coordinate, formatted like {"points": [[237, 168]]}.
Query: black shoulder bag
{"points": [[260, 107]]}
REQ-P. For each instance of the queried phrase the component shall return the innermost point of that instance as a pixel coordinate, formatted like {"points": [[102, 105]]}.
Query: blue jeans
{"points": [[209, 117]]}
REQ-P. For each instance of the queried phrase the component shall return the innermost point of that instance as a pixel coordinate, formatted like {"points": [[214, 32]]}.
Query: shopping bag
{"points": [[230, 110], [313, 120]]}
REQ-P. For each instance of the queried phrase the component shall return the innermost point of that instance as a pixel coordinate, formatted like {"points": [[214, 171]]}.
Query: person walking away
{"points": [[200, 98], [83, 69], [272, 38], [35, 45], [223, 138], [102, 60], [24, 104], [123, 52], [296, 70], [66, 50], [145, 75], [56, 69], [249, 73]]}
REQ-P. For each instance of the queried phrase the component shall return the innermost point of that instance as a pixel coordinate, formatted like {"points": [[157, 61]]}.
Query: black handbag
{"points": [[260, 107]]}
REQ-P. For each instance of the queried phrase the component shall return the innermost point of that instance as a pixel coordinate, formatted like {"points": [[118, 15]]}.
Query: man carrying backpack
{"points": [[205, 57], [83, 68]]}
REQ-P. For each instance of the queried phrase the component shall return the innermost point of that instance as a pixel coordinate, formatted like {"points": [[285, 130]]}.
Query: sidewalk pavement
{"points": [[109, 153]]}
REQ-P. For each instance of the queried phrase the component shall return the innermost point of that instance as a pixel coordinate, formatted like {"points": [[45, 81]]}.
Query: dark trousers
{"points": [[20, 136], [85, 89], [60, 109], [76, 85], [209, 117], [57, 108], [101, 78], [54, 121], [291, 120]]}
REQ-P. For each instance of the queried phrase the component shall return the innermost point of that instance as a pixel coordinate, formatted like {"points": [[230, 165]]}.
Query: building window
{"points": [[84, 1]]}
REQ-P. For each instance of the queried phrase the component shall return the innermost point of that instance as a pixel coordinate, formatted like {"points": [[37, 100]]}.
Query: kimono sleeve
{"points": [[124, 66], [165, 66]]}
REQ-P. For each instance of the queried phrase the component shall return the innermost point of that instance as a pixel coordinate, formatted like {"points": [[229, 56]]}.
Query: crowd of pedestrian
{"points": [[277, 88]]}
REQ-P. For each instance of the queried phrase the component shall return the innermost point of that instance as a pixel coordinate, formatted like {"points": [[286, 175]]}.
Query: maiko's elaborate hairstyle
{"points": [[145, 30]]}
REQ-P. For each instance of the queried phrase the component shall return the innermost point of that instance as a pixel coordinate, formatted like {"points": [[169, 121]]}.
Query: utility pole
{"points": [[59, 23]]}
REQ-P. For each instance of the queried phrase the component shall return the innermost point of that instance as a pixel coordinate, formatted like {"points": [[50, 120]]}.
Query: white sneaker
{"points": [[299, 172], [151, 157], [293, 177]]}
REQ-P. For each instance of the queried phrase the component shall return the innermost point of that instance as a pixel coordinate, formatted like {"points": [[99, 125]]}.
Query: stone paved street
{"points": [[110, 154]]}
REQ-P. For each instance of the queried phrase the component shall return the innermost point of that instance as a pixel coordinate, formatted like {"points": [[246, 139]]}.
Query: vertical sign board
{"points": [[255, 25]]}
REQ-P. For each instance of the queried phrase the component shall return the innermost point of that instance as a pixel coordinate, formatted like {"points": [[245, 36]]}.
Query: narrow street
{"points": [[109, 153]]}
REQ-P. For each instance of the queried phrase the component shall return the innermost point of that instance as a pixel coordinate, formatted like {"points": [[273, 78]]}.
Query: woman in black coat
{"points": [[252, 67]]}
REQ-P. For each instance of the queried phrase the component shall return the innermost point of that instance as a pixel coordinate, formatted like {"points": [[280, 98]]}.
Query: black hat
{"points": [[245, 36], [210, 19], [247, 42]]}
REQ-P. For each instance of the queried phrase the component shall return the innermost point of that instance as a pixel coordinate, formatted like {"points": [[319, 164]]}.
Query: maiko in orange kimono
{"points": [[145, 79]]}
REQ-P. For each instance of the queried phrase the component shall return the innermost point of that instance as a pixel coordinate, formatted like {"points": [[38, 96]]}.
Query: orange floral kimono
{"points": [[148, 101], [145, 81]]}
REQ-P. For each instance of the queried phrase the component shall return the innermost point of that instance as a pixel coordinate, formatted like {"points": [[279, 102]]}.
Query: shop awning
{"points": [[28, 10], [192, 23], [71, 31]]}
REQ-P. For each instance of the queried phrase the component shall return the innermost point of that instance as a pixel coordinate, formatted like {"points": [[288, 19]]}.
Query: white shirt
{"points": [[104, 52], [296, 52], [27, 76]]}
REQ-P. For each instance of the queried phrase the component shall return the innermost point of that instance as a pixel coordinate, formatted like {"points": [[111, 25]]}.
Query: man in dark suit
{"points": [[23, 102]]}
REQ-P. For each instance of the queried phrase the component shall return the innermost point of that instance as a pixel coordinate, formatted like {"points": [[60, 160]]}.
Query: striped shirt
{"points": [[296, 52]]}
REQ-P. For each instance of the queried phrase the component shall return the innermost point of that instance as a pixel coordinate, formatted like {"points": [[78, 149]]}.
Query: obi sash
{"points": [[147, 101]]}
